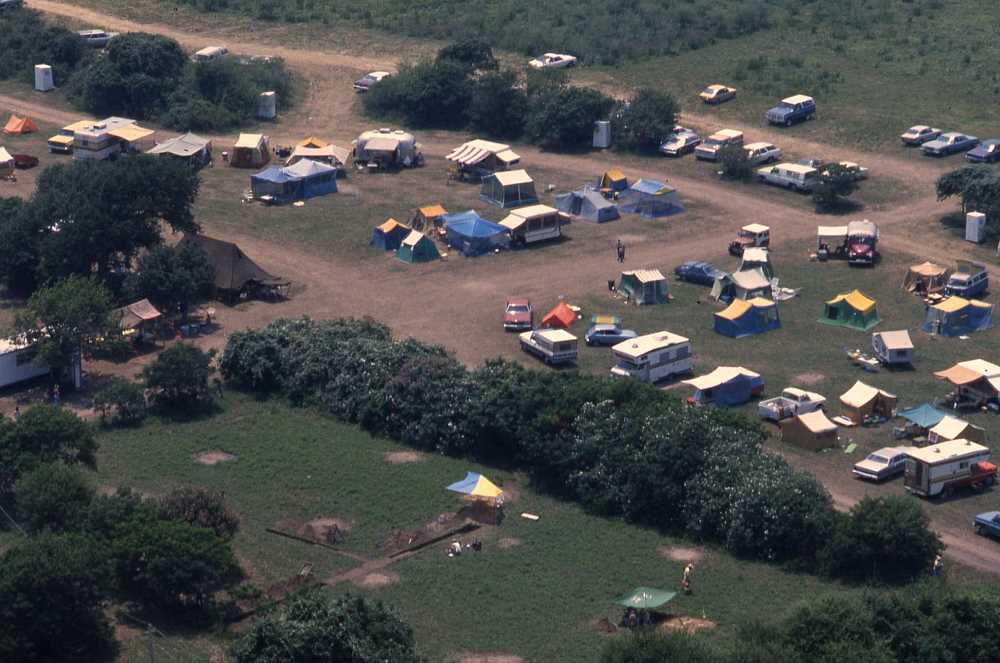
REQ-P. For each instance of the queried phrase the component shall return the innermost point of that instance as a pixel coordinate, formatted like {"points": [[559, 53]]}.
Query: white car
{"points": [[919, 134], [761, 153], [553, 61], [369, 80], [882, 464]]}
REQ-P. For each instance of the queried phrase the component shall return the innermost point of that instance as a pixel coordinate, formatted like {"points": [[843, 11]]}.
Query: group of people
{"points": [[455, 547]]}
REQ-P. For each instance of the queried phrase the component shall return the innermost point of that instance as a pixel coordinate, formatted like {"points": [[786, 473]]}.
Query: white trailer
{"points": [[17, 363], [940, 469], [652, 357]]}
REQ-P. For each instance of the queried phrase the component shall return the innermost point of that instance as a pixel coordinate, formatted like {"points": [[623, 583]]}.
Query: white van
{"points": [[790, 175], [210, 53], [553, 346]]}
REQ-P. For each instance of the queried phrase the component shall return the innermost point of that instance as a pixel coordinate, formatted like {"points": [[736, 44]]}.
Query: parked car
{"points": [[717, 93], [790, 110], [553, 346], [919, 134], [369, 80], [97, 38], [553, 61], [24, 161], [698, 271], [987, 151], [988, 524], [680, 142], [759, 153], [882, 464], [210, 53], [518, 314], [709, 149], [791, 402], [607, 335], [949, 143], [789, 175], [858, 171]]}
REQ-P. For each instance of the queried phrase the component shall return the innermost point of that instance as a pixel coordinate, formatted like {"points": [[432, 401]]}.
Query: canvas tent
{"points": [[650, 199], [956, 316], [250, 151], [830, 237], [851, 309], [479, 158], [587, 204], [926, 278], [811, 431], [863, 401], [612, 183], [386, 148], [306, 179], [757, 257], [747, 317], [19, 125], [417, 247], [476, 486], [893, 347], [509, 189], [329, 154], [922, 417], [644, 286], [473, 235], [6, 163], [726, 385], [428, 216], [137, 316], [953, 428], [645, 598], [235, 272], [190, 148], [741, 285], [389, 235], [975, 381], [561, 317], [312, 142]]}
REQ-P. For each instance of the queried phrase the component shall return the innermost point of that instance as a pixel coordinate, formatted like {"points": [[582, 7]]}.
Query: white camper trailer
{"points": [[942, 468], [652, 357]]}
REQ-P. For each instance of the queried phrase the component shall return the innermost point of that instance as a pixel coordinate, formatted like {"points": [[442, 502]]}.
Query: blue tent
{"points": [[305, 179], [923, 416], [747, 317], [389, 235], [473, 235], [588, 205], [650, 199], [726, 385], [956, 316]]}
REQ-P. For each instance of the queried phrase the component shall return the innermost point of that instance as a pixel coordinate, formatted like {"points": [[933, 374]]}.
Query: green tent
{"points": [[853, 310], [645, 598], [417, 247]]}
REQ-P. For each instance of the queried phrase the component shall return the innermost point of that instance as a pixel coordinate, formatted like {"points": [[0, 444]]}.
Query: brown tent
{"points": [[811, 431], [862, 401], [927, 277], [235, 272], [135, 315]]}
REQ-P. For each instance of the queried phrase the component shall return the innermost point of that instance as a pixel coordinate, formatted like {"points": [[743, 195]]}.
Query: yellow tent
{"points": [[476, 486], [312, 141]]}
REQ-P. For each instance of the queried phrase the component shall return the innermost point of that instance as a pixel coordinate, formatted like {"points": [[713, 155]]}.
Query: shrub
{"points": [[120, 402], [202, 507], [52, 497], [108, 516], [179, 376], [644, 121], [734, 162], [43, 434], [172, 277], [427, 94], [835, 184], [563, 117], [473, 54], [656, 647], [27, 39], [498, 105]]}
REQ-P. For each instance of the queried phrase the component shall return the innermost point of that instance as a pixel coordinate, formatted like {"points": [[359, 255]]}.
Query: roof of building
{"points": [[182, 146], [640, 345]]}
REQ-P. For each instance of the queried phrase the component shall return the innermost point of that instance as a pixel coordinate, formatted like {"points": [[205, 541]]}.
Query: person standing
{"points": [[688, 577]]}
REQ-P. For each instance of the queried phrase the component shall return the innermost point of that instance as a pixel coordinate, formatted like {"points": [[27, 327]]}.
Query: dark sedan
{"points": [[698, 271], [608, 335], [987, 151]]}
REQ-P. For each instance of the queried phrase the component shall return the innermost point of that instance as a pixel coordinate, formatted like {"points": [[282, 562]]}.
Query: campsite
{"points": [[329, 233]]}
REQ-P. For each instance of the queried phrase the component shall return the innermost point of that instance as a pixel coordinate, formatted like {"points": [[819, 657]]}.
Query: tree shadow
{"points": [[840, 208]]}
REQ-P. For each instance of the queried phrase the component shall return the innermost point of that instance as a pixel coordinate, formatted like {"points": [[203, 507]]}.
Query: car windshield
{"points": [[785, 104], [517, 308], [715, 141], [875, 458]]}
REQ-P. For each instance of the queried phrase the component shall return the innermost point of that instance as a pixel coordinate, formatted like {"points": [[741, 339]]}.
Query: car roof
{"points": [[952, 133], [518, 301], [604, 327], [755, 146]]}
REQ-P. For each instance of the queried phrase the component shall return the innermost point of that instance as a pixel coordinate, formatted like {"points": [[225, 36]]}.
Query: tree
{"points": [[121, 401], [174, 565], [311, 626], [202, 507], [473, 54], [66, 320], [43, 434], [52, 497], [734, 162], [172, 277], [835, 183], [655, 647], [885, 538], [642, 123], [427, 94], [18, 250], [179, 376], [563, 117], [52, 594], [498, 105], [955, 182]]}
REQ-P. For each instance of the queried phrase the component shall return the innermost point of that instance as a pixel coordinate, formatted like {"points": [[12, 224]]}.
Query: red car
{"points": [[518, 314], [24, 161]]}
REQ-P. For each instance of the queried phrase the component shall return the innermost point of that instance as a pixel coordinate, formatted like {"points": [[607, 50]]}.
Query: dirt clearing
{"points": [[403, 457], [325, 529], [213, 457], [376, 580], [509, 542], [680, 554], [808, 379], [689, 625]]}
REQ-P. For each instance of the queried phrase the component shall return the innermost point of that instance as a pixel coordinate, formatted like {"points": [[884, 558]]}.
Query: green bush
{"points": [[178, 377], [201, 507], [120, 402], [428, 94], [172, 277], [27, 39], [642, 123], [561, 117], [835, 184], [655, 647], [498, 105], [52, 497], [734, 162], [43, 434]]}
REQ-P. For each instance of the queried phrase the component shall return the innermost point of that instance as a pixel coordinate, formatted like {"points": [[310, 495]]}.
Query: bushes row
{"points": [[621, 448]]}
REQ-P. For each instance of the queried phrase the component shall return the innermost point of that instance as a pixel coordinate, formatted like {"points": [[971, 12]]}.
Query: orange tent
{"points": [[20, 125], [561, 316]]}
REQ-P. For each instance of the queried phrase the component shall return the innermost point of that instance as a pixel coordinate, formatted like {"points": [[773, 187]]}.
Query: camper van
{"points": [[553, 346], [652, 357], [790, 175], [535, 223], [971, 279], [210, 53], [940, 469]]}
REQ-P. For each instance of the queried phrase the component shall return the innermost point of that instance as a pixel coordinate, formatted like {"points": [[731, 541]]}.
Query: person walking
{"points": [[621, 251], [688, 576]]}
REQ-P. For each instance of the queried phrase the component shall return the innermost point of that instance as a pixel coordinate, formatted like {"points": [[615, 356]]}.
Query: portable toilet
{"points": [[602, 134], [267, 106], [43, 78], [975, 223]]}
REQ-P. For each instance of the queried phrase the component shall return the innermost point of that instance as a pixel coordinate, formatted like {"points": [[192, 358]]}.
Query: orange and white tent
{"points": [[19, 125]]}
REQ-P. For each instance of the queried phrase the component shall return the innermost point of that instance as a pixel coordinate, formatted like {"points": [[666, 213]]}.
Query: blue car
{"points": [[793, 109], [987, 151], [698, 271], [988, 524], [949, 143], [608, 335]]}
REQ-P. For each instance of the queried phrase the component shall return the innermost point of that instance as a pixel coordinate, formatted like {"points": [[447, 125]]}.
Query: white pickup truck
{"points": [[553, 346], [792, 401], [790, 175]]}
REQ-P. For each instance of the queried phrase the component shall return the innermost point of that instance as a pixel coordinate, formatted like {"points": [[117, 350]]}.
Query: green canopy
{"points": [[645, 597]]}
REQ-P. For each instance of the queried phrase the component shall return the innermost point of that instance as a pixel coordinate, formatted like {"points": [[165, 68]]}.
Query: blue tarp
{"points": [[925, 416], [306, 179], [588, 205], [472, 234], [948, 319], [650, 199]]}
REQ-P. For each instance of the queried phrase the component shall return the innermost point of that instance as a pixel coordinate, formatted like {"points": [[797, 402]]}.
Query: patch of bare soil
{"points": [[484, 658], [379, 579], [808, 378], [680, 553], [403, 457], [603, 626], [125, 632], [687, 624], [327, 530], [511, 492], [213, 457], [509, 542]]}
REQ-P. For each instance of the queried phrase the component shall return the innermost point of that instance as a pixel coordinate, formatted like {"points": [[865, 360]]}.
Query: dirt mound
{"points": [[508, 542], [327, 530], [603, 626], [380, 579], [808, 379], [484, 658], [400, 539], [402, 457], [213, 457], [680, 554], [687, 624]]}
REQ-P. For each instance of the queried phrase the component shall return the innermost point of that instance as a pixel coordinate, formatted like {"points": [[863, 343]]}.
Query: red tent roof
{"points": [[561, 316]]}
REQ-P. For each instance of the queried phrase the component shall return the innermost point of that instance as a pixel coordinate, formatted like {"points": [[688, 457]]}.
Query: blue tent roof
{"points": [[470, 224], [274, 174], [650, 186], [925, 416]]}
